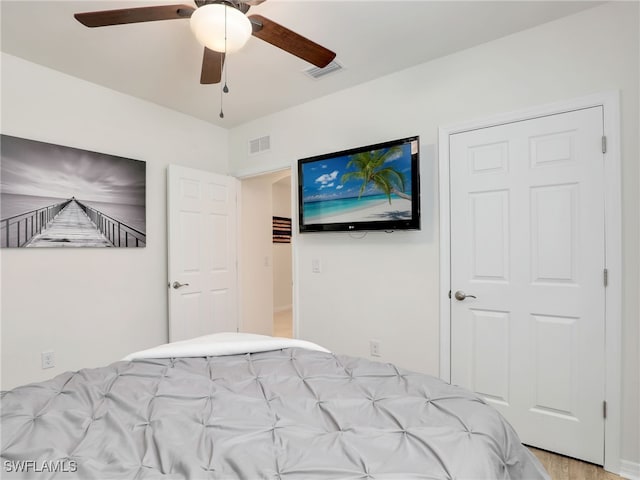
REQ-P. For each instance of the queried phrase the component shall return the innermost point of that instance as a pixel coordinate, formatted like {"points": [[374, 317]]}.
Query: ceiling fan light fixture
{"points": [[208, 25]]}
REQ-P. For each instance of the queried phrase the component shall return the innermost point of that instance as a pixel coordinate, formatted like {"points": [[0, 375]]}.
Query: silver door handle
{"points": [[177, 285], [460, 295]]}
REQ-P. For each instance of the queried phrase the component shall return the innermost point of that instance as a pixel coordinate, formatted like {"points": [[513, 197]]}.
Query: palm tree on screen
{"points": [[370, 168]]}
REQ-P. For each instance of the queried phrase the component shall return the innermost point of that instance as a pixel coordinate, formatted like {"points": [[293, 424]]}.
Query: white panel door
{"points": [[527, 241], [202, 267]]}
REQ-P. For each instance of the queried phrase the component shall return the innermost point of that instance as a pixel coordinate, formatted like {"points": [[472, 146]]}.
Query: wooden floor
{"points": [[283, 324], [565, 468]]}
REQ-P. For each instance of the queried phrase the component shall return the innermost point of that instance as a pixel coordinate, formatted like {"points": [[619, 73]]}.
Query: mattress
{"points": [[253, 407]]}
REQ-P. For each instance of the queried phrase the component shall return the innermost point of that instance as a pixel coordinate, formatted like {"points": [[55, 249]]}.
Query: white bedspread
{"points": [[219, 344]]}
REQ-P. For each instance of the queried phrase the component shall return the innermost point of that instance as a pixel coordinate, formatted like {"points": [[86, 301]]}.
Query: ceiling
{"points": [[161, 61]]}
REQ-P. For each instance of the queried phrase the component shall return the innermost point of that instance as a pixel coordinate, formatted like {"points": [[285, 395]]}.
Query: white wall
{"points": [[386, 286], [92, 306]]}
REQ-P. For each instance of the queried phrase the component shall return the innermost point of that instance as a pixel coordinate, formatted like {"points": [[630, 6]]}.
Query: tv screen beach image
{"points": [[364, 187]]}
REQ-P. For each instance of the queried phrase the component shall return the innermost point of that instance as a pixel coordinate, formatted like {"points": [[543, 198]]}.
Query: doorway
{"points": [[538, 225], [282, 263], [265, 267], [527, 247]]}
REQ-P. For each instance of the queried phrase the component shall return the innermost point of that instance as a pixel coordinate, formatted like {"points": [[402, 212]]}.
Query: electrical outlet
{"points": [[316, 265], [48, 359], [374, 348]]}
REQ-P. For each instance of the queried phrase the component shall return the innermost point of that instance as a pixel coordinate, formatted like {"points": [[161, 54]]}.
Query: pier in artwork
{"points": [[68, 224]]}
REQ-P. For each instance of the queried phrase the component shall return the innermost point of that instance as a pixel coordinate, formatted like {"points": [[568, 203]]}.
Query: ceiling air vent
{"points": [[315, 72], [259, 145]]}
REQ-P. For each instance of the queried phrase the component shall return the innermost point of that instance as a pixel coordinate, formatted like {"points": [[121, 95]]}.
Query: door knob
{"points": [[460, 295], [177, 285]]}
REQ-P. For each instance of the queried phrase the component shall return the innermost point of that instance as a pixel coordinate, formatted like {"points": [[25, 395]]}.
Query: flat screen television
{"points": [[375, 187]]}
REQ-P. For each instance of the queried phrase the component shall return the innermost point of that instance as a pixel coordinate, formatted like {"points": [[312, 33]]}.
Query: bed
{"points": [[239, 406]]}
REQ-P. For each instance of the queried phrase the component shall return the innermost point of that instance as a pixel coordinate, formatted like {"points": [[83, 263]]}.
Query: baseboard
{"points": [[630, 470]]}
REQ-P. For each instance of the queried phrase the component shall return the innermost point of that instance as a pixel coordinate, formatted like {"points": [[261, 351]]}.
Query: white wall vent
{"points": [[259, 145], [315, 72]]}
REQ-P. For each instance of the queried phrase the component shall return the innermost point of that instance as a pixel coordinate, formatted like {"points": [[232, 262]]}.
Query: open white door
{"points": [[528, 276], [202, 248]]}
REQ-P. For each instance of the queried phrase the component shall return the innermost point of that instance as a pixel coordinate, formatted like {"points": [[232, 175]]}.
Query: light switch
{"points": [[316, 265]]}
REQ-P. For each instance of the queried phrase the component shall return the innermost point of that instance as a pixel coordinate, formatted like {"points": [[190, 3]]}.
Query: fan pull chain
{"points": [[222, 90], [225, 89]]}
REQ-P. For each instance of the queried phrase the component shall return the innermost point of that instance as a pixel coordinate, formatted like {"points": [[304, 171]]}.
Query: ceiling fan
{"points": [[216, 24]]}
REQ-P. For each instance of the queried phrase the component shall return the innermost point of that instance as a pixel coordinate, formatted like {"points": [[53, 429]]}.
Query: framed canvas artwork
{"points": [[57, 196]]}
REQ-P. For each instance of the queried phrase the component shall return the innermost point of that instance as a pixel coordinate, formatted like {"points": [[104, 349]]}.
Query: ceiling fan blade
{"points": [[134, 15], [211, 67], [290, 41]]}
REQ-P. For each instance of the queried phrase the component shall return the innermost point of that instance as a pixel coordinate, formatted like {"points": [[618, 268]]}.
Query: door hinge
{"points": [[604, 409], [604, 144], [449, 294], [606, 277]]}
